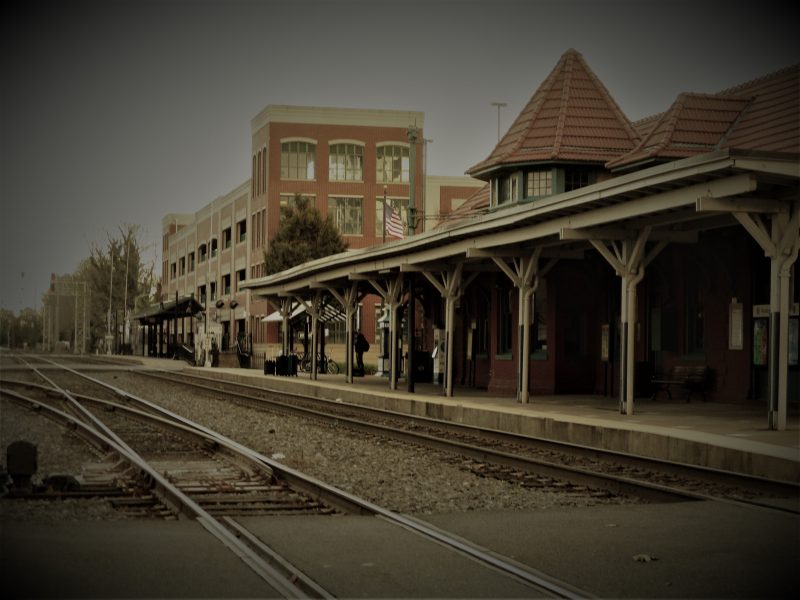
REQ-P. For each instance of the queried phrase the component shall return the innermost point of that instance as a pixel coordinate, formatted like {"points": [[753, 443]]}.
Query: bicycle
{"points": [[325, 364]]}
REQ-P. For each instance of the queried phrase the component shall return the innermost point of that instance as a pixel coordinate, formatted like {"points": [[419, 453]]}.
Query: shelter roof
{"points": [[571, 116], [168, 310], [761, 115], [476, 204]]}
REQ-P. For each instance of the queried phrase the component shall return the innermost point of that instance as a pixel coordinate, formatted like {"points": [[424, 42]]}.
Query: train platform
{"points": [[725, 436]]}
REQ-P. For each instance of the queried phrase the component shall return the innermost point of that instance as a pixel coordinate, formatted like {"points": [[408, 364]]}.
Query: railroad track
{"points": [[184, 477], [528, 461]]}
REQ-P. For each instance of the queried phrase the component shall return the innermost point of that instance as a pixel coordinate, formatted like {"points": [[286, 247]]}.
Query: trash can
{"points": [[281, 365], [291, 365], [269, 367]]}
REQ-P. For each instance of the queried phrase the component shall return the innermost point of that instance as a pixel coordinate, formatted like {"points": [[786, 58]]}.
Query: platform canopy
{"points": [[168, 310], [330, 314]]}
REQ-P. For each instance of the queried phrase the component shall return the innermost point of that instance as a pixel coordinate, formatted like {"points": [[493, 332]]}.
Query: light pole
{"points": [[499, 105], [383, 210], [109, 337], [425, 142], [412, 168]]}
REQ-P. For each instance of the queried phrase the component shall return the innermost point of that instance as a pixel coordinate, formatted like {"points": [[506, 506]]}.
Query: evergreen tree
{"points": [[303, 235]]}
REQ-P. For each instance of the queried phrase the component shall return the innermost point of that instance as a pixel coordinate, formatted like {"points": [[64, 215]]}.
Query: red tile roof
{"points": [[571, 116], [762, 115], [475, 204], [694, 124], [771, 123]]}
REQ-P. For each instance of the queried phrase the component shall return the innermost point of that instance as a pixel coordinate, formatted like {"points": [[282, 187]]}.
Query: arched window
{"points": [[346, 161], [392, 163], [297, 159]]}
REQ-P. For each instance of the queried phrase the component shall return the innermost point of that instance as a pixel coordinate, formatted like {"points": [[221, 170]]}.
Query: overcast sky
{"points": [[121, 112]]}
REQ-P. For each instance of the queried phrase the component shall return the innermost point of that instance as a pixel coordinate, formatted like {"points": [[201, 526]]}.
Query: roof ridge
{"points": [[564, 101], [747, 84], [538, 96], [570, 72]]}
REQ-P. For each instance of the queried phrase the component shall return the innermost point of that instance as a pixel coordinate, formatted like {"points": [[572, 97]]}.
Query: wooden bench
{"points": [[692, 378]]}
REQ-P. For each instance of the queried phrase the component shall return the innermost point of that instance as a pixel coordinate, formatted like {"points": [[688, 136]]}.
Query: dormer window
{"points": [[576, 178], [539, 183], [507, 189]]}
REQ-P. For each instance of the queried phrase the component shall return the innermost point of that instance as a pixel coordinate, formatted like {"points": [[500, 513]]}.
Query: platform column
{"points": [[628, 258], [781, 244], [450, 285], [313, 308], [391, 293], [285, 309], [524, 273], [348, 299]]}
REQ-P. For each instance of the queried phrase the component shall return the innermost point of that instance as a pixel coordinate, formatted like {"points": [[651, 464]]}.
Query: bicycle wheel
{"points": [[333, 367]]}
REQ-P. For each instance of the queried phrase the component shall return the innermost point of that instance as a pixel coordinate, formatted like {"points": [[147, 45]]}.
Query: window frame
{"points": [[354, 172], [384, 175], [398, 203], [334, 211], [292, 167]]}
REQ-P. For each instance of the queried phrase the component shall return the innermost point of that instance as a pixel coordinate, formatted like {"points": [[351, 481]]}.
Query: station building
{"points": [[347, 162], [601, 254]]}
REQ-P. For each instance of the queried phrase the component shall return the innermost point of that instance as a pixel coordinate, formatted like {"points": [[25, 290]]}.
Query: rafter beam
{"points": [[568, 233], [745, 205], [423, 267], [494, 252]]}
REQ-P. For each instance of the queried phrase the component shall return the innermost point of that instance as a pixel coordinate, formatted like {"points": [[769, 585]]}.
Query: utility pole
{"points": [[412, 168], [499, 105], [109, 337]]}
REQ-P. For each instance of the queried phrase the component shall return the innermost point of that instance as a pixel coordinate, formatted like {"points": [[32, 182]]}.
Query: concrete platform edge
{"points": [[712, 451]]}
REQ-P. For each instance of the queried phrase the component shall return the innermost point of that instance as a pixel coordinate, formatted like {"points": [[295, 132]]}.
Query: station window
{"points": [[241, 231], [241, 275], [226, 284], [173, 271], [201, 294], [182, 264], [212, 291], [226, 238], [191, 262], [213, 247], [539, 183], [695, 316], [504, 323], [576, 178], [202, 252]]}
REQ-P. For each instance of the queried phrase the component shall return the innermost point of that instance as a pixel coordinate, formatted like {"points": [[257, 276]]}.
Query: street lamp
{"points": [[232, 304]]}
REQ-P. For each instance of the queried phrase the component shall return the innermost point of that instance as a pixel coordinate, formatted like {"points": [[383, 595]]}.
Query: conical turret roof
{"points": [[571, 117]]}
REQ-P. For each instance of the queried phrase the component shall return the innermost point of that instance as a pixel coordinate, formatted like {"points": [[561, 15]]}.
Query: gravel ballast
{"points": [[401, 477]]}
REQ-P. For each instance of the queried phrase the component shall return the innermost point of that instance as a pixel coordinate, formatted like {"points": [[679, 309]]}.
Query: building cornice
{"points": [[320, 115]]}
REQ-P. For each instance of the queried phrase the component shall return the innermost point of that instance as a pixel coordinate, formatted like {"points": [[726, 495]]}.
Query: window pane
{"points": [[297, 160]]}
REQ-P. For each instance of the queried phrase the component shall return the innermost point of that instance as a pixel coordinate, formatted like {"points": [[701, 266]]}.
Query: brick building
{"points": [[602, 251], [347, 162]]}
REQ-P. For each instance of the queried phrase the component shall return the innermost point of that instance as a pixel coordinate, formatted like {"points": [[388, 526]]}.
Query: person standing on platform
{"points": [[361, 345]]}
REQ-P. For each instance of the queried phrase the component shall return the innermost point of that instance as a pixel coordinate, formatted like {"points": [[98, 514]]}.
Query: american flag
{"points": [[394, 226]]}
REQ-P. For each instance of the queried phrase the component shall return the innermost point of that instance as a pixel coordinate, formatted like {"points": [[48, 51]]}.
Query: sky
{"points": [[118, 113]]}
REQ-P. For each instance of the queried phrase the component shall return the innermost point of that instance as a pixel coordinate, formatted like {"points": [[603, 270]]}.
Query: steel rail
{"points": [[292, 585], [574, 475], [717, 475], [521, 573]]}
